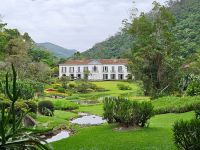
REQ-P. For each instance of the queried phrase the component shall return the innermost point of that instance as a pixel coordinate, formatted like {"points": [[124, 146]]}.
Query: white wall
{"points": [[94, 75]]}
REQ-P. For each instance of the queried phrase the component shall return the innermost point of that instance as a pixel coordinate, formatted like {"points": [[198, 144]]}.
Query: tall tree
{"points": [[156, 56]]}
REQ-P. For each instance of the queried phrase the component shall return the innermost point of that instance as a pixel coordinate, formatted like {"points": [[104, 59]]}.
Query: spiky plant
{"points": [[13, 136]]}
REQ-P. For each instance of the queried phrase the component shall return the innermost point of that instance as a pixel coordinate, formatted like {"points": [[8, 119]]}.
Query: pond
{"points": [[63, 134], [87, 119]]}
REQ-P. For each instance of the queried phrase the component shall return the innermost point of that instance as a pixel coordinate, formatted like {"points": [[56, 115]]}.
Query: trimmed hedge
{"points": [[172, 104]]}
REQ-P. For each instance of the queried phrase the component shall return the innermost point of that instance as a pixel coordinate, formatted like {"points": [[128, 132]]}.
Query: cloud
{"points": [[77, 24]]}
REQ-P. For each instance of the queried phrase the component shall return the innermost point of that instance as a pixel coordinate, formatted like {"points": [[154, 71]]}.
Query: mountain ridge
{"points": [[57, 50]]}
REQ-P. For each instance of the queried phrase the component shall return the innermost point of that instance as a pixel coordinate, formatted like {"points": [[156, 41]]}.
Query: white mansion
{"points": [[100, 69]]}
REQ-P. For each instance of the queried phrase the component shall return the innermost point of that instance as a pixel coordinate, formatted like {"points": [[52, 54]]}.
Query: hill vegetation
{"points": [[58, 51], [187, 30]]}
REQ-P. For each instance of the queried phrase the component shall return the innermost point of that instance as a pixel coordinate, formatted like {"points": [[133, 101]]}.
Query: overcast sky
{"points": [[74, 24]]}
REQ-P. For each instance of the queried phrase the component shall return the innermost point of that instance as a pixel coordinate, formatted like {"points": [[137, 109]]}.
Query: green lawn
{"points": [[92, 109], [60, 119], [112, 90], [157, 137]]}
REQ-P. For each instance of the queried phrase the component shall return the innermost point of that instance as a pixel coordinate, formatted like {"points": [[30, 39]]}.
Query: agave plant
{"points": [[13, 135]]}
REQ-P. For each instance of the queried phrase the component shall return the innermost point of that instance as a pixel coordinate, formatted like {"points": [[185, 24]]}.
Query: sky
{"points": [[73, 24]]}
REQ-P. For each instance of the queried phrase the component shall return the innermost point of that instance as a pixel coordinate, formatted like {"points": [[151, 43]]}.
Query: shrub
{"points": [[126, 112], [145, 113], [46, 108], [123, 87], [197, 112], [64, 105], [56, 86], [187, 134], [193, 88], [32, 106], [20, 107], [86, 87], [61, 90], [71, 85]]}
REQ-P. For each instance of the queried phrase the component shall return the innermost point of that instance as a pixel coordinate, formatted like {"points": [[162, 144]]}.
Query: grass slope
{"points": [[157, 137], [112, 90]]}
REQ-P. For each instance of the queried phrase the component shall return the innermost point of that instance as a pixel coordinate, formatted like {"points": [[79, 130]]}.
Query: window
{"points": [[120, 69], [113, 68], [112, 76], [121, 77], [79, 69], [105, 68], [78, 76], [71, 69], [85, 68], [72, 76], [105, 76], [95, 68], [64, 69]]}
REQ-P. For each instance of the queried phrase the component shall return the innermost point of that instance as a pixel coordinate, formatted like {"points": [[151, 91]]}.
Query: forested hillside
{"points": [[58, 51], [187, 30], [19, 49]]}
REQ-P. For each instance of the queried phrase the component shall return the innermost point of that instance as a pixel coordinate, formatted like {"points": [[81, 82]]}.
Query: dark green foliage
{"points": [[46, 108], [127, 112], [64, 81], [114, 47], [12, 133], [187, 31], [40, 55], [193, 88], [58, 51], [197, 112], [155, 51], [28, 88], [187, 134], [123, 87], [86, 87], [32, 106]]}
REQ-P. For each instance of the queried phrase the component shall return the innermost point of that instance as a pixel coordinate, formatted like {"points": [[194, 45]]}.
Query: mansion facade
{"points": [[100, 69]]}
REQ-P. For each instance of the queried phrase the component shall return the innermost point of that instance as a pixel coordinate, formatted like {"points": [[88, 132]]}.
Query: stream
{"points": [[84, 119]]}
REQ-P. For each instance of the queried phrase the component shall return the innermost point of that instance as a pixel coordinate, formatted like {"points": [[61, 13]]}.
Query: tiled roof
{"points": [[101, 61]]}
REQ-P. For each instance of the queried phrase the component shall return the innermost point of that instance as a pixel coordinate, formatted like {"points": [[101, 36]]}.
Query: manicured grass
{"points": [[162, 105], [112, 90], [157, 137], [60, 118], [92, 109]]}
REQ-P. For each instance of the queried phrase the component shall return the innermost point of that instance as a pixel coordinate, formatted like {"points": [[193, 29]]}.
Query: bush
{"points": [[123, 87], [21, 107], [187, 134], [197, 112], [32, 106], [61, 90], [46, 108], [72, 86], [64, 105], [193, 88], [126, 112]]}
